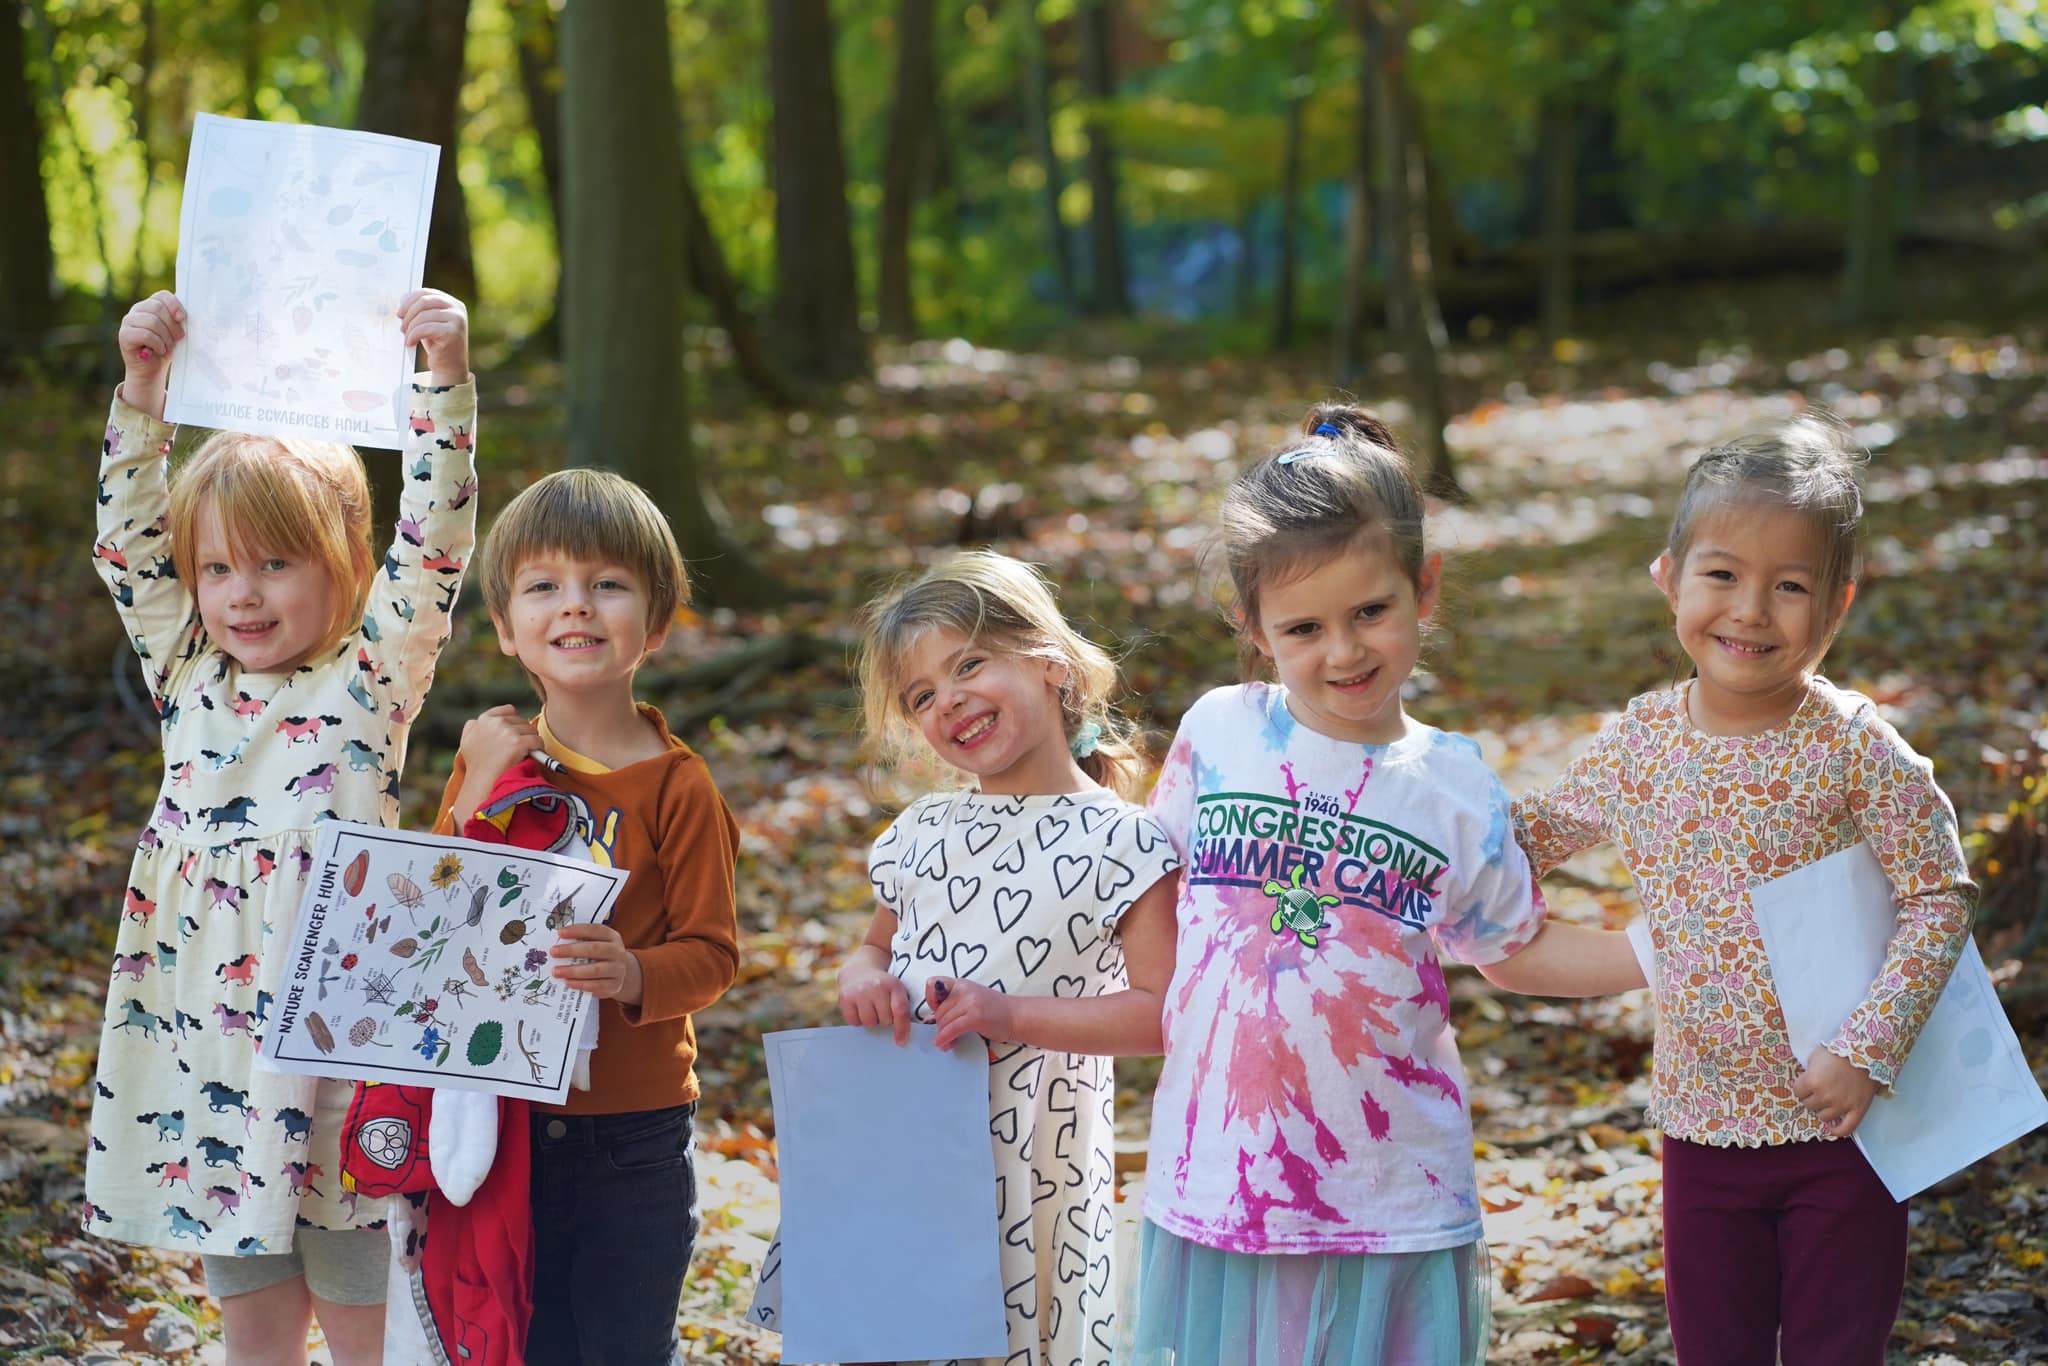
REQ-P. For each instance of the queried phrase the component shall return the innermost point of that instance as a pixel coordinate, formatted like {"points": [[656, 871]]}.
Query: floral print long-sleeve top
{"points": [[1700, 821]]}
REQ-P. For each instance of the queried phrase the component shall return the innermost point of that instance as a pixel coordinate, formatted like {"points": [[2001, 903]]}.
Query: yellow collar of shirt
{"points": [[563, 755]]}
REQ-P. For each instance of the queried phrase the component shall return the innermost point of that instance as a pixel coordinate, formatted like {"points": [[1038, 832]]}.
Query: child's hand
{"points": [[496, 740], [1837, 1090], [609, 968], [438, 324], [870, 998], [148, 335], [968, 1008]]}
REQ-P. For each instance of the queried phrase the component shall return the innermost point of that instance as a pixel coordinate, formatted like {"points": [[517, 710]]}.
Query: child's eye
{"points": [[611, 585], [540, 586], [967, 666], [919, 701], [1724, 575], [1372, 611], [275, 565], [1302, 628], [216, 568], [1792, 586]]}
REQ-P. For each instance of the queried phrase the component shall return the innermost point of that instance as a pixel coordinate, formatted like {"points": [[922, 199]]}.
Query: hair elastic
{"points": [[1303, 452], [1085, 739]]}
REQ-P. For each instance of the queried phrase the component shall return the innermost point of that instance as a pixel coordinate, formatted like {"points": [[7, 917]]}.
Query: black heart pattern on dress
{"points": [[1004, 1125], [1027, 1075], [980, 835], [1011, 903], [1063, 985], [961, 891], [1012, 859], [1081, 930], [1050, 830], [1094, 814], [1070, 871], [932, 944], [1032, 952], [933, 864], [1112, 876], [967, 958]]}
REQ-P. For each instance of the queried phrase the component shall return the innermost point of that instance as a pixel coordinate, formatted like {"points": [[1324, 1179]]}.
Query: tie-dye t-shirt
{"points": [[1312, 1100]]}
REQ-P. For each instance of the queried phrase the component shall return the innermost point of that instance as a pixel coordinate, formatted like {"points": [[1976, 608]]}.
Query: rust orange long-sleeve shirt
{"points": [[662, 820]]}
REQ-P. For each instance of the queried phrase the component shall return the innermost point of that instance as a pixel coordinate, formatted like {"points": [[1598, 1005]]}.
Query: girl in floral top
{"points": [[1779, 1238]]}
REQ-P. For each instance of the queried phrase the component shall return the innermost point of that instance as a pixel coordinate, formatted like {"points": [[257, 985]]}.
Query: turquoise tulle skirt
{"points": [[1190, 1305]]}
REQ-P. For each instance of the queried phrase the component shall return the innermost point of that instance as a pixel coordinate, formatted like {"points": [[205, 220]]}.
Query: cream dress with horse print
{"points": [[192, 1147]]}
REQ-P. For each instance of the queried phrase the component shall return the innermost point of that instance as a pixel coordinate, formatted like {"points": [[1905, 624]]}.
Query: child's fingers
{"points": [[899, 1011]]}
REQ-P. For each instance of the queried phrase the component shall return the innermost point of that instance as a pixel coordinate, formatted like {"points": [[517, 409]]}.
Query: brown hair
{"points": [[585, 514], [282, 496], [1344, 479], [1009, 606], [1809, 466]]}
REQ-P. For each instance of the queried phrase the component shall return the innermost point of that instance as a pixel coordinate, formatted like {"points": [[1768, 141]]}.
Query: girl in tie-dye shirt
{"points": [[1310, 1195], [1779, 1238]]}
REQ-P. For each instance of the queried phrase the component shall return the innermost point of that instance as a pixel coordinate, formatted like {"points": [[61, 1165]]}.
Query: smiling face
{"points": [[993, 713], [579, 626], [270, 611], [1344, 635], [1749, 613]]}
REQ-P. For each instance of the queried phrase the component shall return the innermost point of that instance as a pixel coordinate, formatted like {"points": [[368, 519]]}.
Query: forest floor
{"points": [[1106, 469]]}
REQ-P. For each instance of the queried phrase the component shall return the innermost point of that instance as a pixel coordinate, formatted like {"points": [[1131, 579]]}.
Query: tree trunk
{"points": [[1290, 206], [412, 76], [817, 303], [1558, 136], [623, 325], [906, 159], [711, 277], [1037, 105], [1109, 294], [1347, 343], [1416, 321], [1870, 269], [26, 308], [538, 42], [146, 64], [252, 56]]}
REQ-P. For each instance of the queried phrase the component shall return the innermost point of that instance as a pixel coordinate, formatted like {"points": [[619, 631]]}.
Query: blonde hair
{"points": [[585, 514], [1343, 479], [1808, 466], [281, 496], [1007, 606]]}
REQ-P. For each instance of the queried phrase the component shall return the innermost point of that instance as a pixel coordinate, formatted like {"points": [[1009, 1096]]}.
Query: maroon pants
{"points": [[1795, 1248]]}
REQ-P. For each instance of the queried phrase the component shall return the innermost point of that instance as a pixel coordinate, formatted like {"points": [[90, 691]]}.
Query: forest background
{"points": [[851, 284]]}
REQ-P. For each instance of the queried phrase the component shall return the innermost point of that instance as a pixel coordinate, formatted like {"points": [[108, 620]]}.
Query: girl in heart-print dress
{"points": [[1035, 910]]}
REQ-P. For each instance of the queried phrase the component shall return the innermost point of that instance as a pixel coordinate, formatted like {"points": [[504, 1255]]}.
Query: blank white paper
{"points": [[888, 1180], [1965, 1089]]}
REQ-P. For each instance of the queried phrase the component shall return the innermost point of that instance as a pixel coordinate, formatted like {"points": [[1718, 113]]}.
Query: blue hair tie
{"points": [[1304, 452], [1085, 739]]}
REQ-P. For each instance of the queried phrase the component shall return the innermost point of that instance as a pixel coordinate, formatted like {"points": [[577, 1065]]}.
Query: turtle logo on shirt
{"points": [[1300, 910]]}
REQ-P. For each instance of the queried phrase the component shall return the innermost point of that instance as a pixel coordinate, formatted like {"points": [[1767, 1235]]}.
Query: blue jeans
{"points": [[615, 1219]]}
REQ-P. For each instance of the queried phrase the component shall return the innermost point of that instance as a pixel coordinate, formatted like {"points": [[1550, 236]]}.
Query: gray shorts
{"points": [[341, 1266]]}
